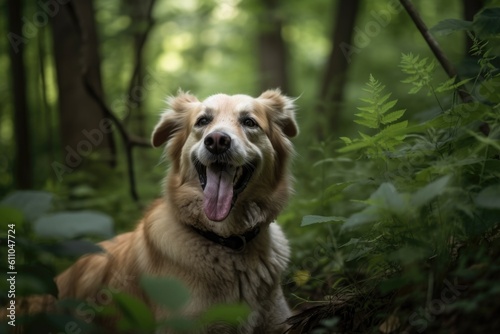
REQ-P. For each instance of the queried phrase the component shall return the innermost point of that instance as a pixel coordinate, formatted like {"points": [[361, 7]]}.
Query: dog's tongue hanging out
{"points": [[218, 192]]}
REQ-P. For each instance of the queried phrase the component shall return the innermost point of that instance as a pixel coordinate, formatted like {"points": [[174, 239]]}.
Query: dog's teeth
{"points": [[238, 174]]}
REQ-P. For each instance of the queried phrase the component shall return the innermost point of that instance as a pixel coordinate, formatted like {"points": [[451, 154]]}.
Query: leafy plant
{"points": [[421, 205], [376, 115]]}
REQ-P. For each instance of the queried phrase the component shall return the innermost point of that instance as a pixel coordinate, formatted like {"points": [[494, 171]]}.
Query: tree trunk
{"points": [[78, 65], [334, 80], [272, 51], [470, 8], [140, 13], [22, 132]]}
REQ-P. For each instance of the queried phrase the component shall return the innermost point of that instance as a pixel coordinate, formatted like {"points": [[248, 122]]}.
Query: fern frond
{"points": [[419, 70], [377, 114]]}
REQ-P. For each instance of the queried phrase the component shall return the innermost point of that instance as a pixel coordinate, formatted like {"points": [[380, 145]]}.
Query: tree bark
{"points": [[272, 50], [335, 75], [22, 132], [77, 59]]}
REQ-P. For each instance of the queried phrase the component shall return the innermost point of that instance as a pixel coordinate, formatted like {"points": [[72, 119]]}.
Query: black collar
{"points": [[235, 242]]}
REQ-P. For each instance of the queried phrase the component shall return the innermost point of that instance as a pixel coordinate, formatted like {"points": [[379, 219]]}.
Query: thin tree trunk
{"points": [[470, 8], [22, 132], [76, 56], [141, 14], [272, 51], [335, 77]]}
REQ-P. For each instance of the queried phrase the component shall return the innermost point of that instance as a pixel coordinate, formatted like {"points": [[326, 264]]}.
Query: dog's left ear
{"points": [[282, 109], [173, 118]]}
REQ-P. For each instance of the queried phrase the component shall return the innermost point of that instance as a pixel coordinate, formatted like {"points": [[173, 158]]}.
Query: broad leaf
{"points": [[448, 26], [430, 191], [489, 197], [309, 220], [31, 203], [487, 22], [73, 248], [166, 291], [73, 224], [136, 315]]}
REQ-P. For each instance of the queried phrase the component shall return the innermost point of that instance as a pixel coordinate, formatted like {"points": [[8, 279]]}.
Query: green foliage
{"points": [[421, 204], [376, 115], [166, 291], [420, 72]]}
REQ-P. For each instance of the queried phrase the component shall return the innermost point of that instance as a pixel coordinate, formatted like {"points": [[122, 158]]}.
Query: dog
{"points": [[214, 227]]}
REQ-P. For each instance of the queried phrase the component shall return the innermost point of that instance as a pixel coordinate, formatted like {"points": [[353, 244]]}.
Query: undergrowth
{"points": [[410, 213]]}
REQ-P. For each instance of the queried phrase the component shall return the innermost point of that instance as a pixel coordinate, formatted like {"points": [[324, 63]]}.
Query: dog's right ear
{"points": [[173, 118]]}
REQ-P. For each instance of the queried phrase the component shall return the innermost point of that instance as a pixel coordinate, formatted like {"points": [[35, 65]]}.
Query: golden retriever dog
{"points": [[214, 228]]}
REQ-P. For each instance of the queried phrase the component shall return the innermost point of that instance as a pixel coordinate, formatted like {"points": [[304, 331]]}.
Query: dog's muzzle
{"points": [[221, 180]]}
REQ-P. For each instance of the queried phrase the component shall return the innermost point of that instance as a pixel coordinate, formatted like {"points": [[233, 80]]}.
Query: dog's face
{"points": [[228, 153]]}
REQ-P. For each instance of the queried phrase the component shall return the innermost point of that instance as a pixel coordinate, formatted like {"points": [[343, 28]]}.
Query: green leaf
{"points": [[490, 89], [31, 203], [311, 219], [346, 140], [367, 123], [369, 215], [73, 224], [487, 22], [384, 98], [370, 109], [74, 248], [393, 116], [386, 107], [136, 315], [430, 191], [489, 197], [415, 90], [385, 199], [448, 26], [338, 187], [233, 314], [166, 291]]}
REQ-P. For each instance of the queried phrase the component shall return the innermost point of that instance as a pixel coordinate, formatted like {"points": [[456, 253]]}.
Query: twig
{"points": [[435, 48]]}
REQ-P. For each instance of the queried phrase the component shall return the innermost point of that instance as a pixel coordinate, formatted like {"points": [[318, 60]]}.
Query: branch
{"points": [[435, 48], [129, 140]]}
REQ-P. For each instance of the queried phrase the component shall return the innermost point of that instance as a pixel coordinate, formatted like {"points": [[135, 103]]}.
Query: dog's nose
{"points": [[217, 142]]}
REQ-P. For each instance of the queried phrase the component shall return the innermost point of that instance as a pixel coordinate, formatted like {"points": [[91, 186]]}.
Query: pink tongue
{"points": [[218, 193]]}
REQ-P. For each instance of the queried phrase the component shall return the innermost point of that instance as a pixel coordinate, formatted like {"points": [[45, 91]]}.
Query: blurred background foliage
{"points": [[380, 222]]}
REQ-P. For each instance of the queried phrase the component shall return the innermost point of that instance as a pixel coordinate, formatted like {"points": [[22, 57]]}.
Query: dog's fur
{"points": [[165, 242]]}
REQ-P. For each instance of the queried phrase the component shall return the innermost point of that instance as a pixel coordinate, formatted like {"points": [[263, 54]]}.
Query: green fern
{"points": [[375, 114], [378, 114], [420, 71], [479, 49]]}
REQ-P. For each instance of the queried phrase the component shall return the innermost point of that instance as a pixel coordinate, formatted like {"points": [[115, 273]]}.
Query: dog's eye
{"points": [[249, 122], [202, 121]]}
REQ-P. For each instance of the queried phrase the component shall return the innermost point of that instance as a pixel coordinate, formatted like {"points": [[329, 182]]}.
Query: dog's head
{"points": [[229, 154]]}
